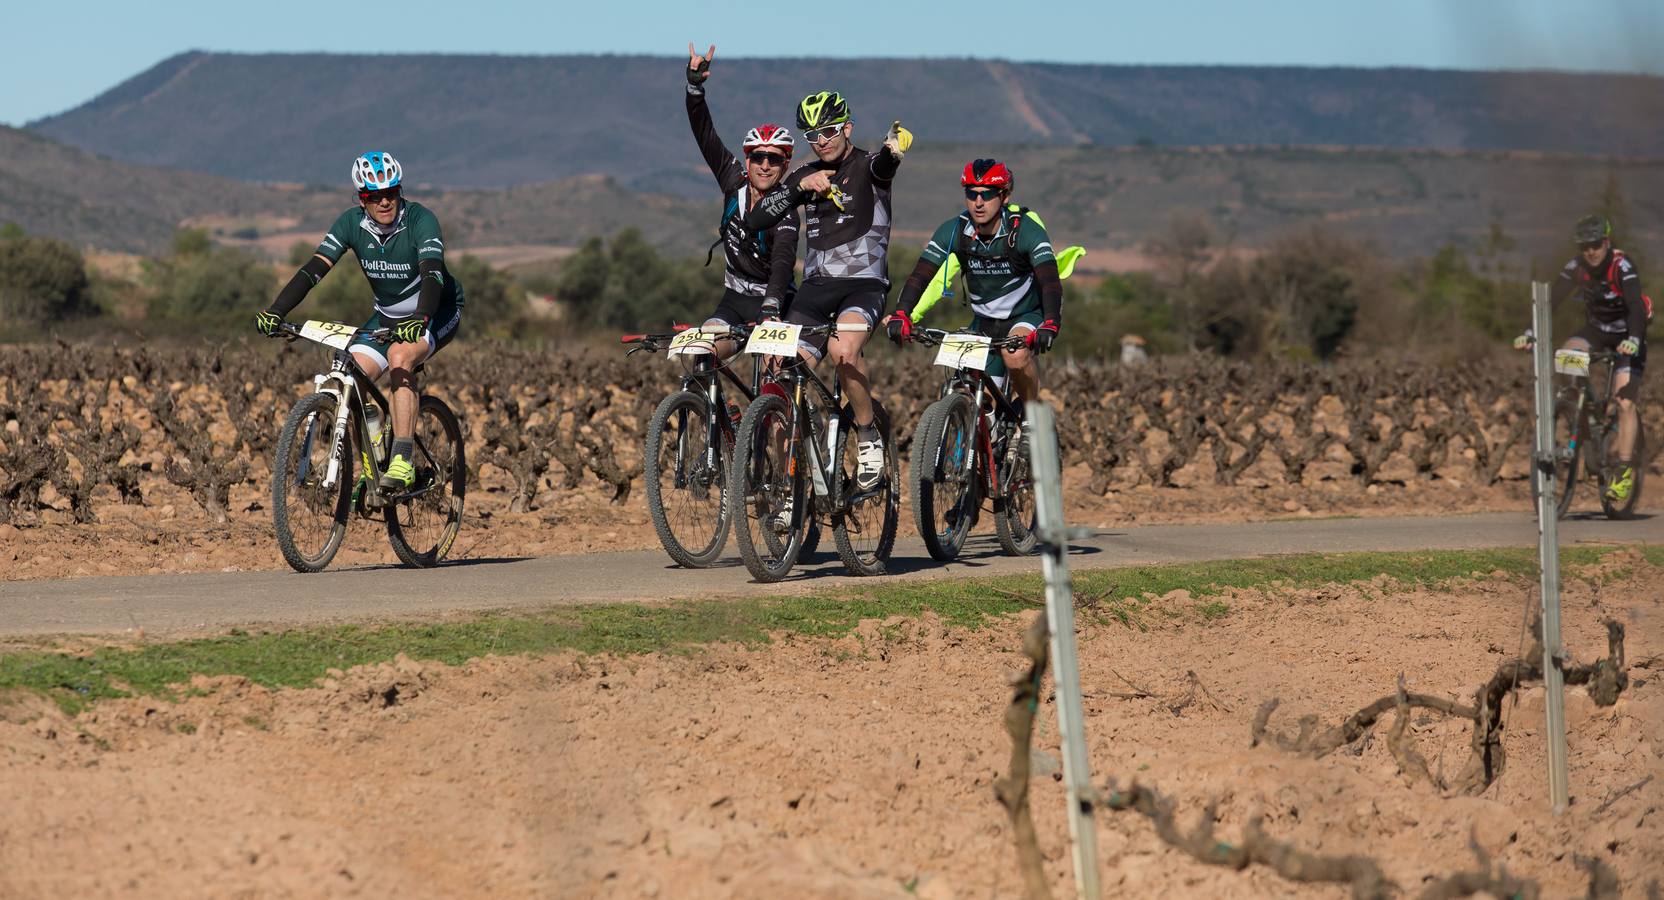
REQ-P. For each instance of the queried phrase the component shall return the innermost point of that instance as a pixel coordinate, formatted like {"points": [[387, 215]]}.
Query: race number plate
{"points": [[689, 342], [774, 339], [964, 351], [1572, 362], [334, 334]]}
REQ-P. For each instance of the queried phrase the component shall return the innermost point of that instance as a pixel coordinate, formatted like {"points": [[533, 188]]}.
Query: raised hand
{"points": [[699, 67]]}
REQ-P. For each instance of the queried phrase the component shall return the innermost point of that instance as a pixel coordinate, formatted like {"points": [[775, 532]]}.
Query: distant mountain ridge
{"points": [[494, 121]]}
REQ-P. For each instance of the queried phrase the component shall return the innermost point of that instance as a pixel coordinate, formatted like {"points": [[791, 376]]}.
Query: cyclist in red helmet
{"points": [[1011, 276], [759, 263]]}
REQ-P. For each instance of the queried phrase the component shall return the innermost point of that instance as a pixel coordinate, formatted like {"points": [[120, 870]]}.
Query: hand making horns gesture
{"points": [[699, 67]]}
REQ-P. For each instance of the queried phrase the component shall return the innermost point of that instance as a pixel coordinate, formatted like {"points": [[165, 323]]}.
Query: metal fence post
{"points": [[1548, 546], [1060, 615]]}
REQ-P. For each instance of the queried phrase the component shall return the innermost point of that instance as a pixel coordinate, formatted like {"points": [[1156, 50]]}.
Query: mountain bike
{"points": [[690, 439], [1586, 430], [795, 462], [970, 444], [313, 488]]}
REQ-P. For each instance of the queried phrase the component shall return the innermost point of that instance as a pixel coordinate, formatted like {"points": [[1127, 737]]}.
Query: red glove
{"points": [[1040, 340], [900, 327]]}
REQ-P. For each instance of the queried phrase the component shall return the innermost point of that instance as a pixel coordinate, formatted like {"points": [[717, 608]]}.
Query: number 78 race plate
{"points": [[774, 339], [964, 351]]}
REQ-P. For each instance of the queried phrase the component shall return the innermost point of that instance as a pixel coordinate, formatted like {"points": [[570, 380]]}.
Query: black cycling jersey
{"points": [[851, 242], [759, 261], [1610, 294]]}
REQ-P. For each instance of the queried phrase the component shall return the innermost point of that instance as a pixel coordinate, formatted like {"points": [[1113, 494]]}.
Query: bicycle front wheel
{"points": [[310, 516], [422, 526], [943, 476], [1567, 449], [864, 525], [767, 495], [685, 479]]}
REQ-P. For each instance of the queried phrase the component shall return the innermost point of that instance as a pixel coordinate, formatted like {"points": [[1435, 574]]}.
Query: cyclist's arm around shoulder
{"points": [[723, 165], [778, 203], [782, 258]]}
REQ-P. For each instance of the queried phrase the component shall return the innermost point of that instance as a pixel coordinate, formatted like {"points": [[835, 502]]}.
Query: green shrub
{"points": [[42, 281], [208, 285]]}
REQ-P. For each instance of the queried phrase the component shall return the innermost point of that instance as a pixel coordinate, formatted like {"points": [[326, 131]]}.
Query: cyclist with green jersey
{"points": [[1011, 274], [402, 253]]}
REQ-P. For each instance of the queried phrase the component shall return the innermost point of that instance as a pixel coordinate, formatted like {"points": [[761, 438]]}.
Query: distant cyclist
{"points": [[846, 192], [400, 248], [1011, 274], [759, 262], [1616, 314]]}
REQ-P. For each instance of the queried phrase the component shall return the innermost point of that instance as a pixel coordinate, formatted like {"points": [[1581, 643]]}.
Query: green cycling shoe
{"points": [[400, 474], [1622, 486]]}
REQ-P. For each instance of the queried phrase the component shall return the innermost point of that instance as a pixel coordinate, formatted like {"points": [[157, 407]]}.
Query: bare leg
{"points": [[845, 350], [1024, 370], [402, 360], [1629, 418]]}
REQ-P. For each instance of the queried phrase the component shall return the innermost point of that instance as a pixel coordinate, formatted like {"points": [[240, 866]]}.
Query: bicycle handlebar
{"points": [[931, 337], [289, 331]]}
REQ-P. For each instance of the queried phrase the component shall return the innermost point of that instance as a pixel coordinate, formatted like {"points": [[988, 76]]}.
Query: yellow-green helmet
{"points": [[822, 109]]}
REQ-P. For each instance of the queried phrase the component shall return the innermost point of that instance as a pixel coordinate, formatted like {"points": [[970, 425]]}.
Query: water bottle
{"points": [[373, 418]]}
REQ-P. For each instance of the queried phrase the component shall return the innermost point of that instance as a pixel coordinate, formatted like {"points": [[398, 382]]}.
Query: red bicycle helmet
{"points": [[988, 173]]}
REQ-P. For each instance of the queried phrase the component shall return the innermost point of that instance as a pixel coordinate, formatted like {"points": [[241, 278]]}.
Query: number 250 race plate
{"points": [[690, 342], [333, 334], [964, 351], [774, 339]]}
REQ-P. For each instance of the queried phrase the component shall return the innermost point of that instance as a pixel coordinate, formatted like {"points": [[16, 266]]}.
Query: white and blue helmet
{"points": [[376, 171]]}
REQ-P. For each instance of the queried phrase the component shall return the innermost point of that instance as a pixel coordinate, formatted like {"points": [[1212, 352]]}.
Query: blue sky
{"points": [[59, 56]]}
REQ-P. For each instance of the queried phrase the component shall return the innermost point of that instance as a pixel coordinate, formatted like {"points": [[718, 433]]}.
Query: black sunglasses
{"points": [[773, 159], [1591, 245], [983, 194], [391, 193]]}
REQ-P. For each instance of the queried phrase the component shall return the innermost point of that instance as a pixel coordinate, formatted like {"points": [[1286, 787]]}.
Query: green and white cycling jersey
{"points": [[999, 271], [390, 260]]}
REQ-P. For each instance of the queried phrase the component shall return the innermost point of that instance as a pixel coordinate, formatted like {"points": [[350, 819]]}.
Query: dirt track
{"points": [[839, 769], [182, 603]]}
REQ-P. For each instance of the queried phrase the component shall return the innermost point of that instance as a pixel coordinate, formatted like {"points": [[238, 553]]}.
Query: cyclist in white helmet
{"points": [[402, 252], [758, 263]]}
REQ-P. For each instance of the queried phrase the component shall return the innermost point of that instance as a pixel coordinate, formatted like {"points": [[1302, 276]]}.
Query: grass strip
{"points": [[299, 656]]}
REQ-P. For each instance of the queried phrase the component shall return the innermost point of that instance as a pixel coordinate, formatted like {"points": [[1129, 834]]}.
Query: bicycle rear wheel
{"points": [[768, 471], [309, 517], [1567, 449], [423, 526], [864, 524], [684, 483], [1610, 468], [1015, 515], [943, 476]]}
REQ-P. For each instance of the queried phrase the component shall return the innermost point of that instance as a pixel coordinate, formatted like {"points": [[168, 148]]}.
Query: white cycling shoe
{"points": [[781, 521], [869, 457]]}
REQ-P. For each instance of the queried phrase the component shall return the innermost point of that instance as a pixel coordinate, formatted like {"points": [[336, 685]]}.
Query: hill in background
{"points": [[493, 121], [1112, 200]]}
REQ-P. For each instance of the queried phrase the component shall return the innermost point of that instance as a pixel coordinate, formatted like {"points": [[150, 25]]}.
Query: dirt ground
{"points": [[172, 534], [857, 767]]}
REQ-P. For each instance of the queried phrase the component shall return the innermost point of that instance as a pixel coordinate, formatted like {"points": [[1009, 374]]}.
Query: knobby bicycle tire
{"points": [[754, 478], [315, 413], [450, 479], [855, 559], [1015, 514], [686, 414], [935, 458]]}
